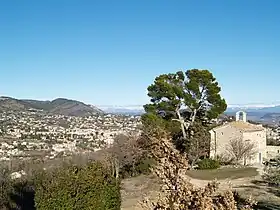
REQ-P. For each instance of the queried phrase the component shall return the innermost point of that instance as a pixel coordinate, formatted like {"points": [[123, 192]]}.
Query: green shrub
{"points": [[5, 190], [225, 160], [272, 176], [208, 164], [71, 187], [143, 166], [15, 193]]}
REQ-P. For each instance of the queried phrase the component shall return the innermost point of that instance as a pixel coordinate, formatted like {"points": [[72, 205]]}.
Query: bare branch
{"points": [[240, 149]]}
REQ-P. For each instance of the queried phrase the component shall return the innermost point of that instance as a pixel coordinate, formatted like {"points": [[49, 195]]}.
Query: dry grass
{"points": [[223, 173], [133, 190]]}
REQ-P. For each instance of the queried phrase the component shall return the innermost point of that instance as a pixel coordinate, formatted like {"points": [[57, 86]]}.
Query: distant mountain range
{"points": [[231, 108], [60, 106], [131, 110], [69, 107], [259, 108], [267, 114]]}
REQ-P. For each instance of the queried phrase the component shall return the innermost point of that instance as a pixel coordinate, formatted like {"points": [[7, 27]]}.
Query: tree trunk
{"points": [[117, 168], [183, 131], [133, 169], [193, 116], [182, 122], [245, 161], [192, 163]]}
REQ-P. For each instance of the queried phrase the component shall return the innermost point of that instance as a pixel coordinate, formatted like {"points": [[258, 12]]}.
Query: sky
{"points": [[108, 52]]}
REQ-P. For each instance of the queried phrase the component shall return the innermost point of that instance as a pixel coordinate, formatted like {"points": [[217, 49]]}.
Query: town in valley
{"points": [[35, 134]]}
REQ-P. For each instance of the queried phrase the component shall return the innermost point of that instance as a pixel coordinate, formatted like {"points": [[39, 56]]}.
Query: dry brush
{"points": [[177, 193]]}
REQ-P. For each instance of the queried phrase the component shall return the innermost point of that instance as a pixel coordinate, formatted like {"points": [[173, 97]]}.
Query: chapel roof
{"points": [[242, 126]]}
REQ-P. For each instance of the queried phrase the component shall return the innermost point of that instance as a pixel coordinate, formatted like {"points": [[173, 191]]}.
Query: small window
{"points": [[277, 151], [222, 133]]}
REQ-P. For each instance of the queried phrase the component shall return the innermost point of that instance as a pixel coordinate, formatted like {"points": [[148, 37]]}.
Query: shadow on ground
{"points": [[266, 191], [266, 206], [273, 189]]}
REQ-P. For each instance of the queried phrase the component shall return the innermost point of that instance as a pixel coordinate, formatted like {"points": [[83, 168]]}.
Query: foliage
{"points": [[143, 166], [60, 181], [23, 194], [272, 176], [73, 187], [272, 142], [272, 173], [177, 193], [154, 120], [15, 193], [196, 91], [128, 157], [183, 103], [239, 149], [224, 159], [6, 188], [198, 144], [208, 164]]}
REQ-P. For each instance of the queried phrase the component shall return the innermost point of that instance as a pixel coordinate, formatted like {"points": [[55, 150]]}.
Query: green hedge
{"points": [[208, 164], [71, 187]]}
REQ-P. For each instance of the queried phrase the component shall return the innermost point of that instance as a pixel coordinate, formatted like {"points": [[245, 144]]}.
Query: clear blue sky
{"points": [[107, 52]]}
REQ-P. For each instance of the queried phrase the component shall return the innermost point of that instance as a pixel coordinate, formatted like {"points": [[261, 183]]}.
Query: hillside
{"points": [[59, 106]]}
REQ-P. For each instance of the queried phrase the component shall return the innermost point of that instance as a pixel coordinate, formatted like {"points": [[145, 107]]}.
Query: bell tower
{"points": [[241, 116]]}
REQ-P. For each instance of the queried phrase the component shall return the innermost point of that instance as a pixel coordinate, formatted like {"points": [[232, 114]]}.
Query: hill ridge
{"points": [[60, 106]]}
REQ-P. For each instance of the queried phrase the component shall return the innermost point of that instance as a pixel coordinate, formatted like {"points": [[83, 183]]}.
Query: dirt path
{"points": [[226, 183], [134, 189], [249, 186]]}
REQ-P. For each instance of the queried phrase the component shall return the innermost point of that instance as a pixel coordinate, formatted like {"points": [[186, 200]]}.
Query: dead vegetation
{"points": [[176, 191]]}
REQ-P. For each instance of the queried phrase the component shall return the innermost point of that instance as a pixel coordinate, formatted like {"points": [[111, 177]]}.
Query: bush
{"points": [[71, 187], [208, 164], [225, 160], [272, 176], [15, 193], [5, 190], [143, 166], [272, 172]]}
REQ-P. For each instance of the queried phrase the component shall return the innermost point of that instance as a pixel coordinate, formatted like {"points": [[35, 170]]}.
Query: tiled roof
{"points": [[243, 126]]}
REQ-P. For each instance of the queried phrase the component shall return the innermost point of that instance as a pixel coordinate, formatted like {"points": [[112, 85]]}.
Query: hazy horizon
{"points": [[137, 106], [275, 103]]}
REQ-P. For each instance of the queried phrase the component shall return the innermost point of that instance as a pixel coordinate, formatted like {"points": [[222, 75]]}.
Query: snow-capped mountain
{"points": [[253, 106], [130, 109], [138, 109], [268, 108]]}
